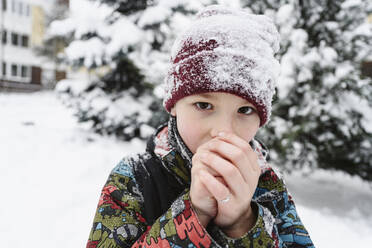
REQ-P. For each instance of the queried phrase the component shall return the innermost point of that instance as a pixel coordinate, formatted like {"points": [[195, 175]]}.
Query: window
{"points": [[24, 40], [24, 71], [14, 70], [20, 9], [27, 9], [4, 40], [4, 5], [14, 39], [4, 68], [13, 6]]}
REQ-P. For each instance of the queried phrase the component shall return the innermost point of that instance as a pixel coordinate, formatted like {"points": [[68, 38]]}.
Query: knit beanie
{"points": [[225, 50]]}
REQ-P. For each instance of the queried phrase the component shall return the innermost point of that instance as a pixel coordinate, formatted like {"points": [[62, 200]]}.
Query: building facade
{"points": [[23, 25]]}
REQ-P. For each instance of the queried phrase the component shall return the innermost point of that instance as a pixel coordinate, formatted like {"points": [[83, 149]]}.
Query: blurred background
{"points": [[80, 88]]}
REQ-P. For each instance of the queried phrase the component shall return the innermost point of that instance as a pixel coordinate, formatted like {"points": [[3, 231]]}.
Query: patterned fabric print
{"points": [[292, 231], [272, 194], [259, 236], [178, 227], [172, 151], [119, 220], [174, 162]]}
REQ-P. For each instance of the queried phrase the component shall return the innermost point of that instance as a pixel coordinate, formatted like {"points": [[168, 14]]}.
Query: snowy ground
{"points": [[52, 171]]}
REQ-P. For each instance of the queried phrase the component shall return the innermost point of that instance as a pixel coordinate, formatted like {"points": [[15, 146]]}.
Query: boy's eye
{"points": [[246, 110], [203, 105]]}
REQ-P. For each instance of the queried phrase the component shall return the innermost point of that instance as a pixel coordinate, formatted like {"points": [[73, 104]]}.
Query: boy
{"points": [[203, 180]]}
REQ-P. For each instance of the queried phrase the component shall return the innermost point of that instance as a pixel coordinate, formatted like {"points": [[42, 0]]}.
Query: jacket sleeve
{"points": [[118, 221]]}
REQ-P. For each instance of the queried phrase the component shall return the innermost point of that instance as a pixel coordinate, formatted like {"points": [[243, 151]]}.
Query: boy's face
{"points": [[201, 117]]}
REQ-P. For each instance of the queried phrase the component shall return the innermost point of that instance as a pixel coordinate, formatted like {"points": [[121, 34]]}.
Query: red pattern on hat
{"points": [[191, 62]]}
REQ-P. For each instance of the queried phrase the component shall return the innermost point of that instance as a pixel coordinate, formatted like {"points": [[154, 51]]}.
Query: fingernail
{"points": [[221, 134]]}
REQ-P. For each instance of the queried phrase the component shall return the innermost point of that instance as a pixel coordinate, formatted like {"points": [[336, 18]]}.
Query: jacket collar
{"points": [[169, 147]]}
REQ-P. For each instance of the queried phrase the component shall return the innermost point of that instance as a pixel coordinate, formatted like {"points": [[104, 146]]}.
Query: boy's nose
{"points": [[222, 125]]}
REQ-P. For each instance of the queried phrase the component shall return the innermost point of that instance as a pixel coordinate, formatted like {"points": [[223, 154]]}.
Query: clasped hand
{"points": [[224, 177]]}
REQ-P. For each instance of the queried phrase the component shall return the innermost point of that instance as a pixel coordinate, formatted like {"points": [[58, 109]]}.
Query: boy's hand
{"points": [[203, 202], [227, 167]]}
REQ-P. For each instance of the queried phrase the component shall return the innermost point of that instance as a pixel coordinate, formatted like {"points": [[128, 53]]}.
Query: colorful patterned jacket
{"points": [[146, 203]]}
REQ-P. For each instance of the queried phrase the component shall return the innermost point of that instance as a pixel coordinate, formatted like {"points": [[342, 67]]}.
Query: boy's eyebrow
{"points": [[206, 95]]}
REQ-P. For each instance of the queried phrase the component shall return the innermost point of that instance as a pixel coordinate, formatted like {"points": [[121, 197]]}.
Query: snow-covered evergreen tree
{"points": [[323, 114], [132, 39]]}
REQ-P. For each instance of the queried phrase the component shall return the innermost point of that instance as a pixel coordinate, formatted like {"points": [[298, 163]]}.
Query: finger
{"points": [[214, 186], [234, 155], [242, 144], [219, 178], [245, 167], [199, 164], [235, 140], [230, 173]]}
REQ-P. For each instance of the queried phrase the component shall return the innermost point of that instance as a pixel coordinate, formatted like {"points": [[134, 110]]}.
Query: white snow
{"points": [[52, 171], [351, 101], [122, 34], [293, 59], [350, 3], [230, 3], [343, 69], [335, 207], [284, 13], [329, 56], [87, 14], [91, 50], [156, 14], [92, 17], [76, 86]]}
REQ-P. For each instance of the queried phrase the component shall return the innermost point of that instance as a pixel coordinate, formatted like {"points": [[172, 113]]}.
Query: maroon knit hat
{"points": [[226, 50]]}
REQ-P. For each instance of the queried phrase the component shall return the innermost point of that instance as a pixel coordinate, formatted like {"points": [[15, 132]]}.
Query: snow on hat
{"points": [[226, 50]]}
